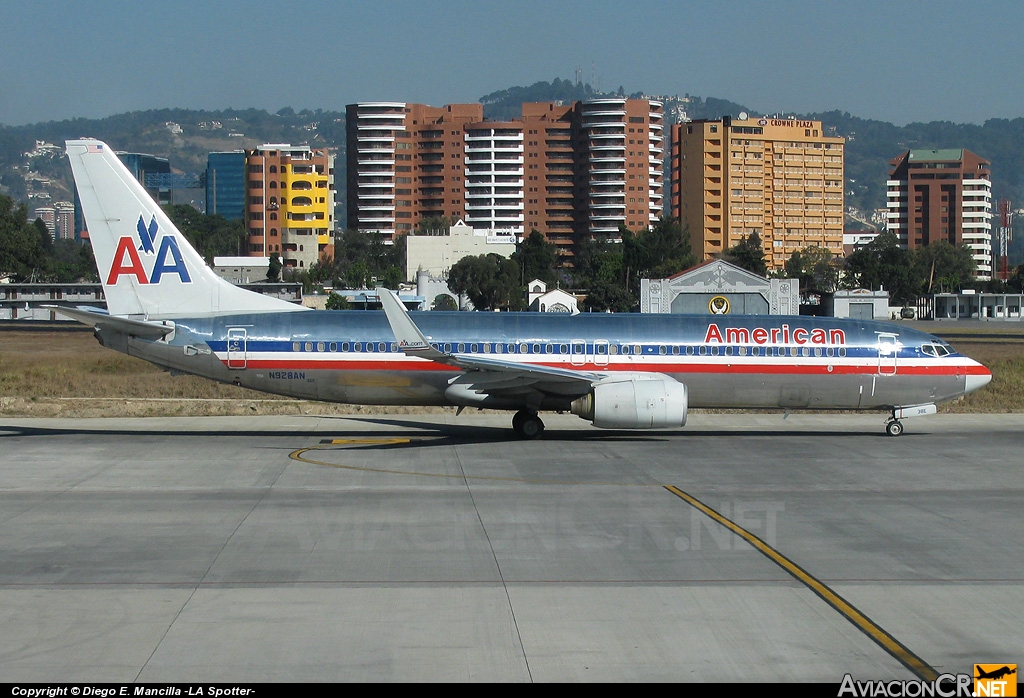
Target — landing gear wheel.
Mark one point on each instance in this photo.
(527, 425)
(893, 427)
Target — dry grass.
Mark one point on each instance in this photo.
(67, 373)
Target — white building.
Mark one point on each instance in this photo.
(541, 300)
(436, 254)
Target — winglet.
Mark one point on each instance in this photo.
(410, 340)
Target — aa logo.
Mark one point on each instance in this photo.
(168, 259)
(995, 680)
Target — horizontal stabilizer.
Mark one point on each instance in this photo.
(134, 328)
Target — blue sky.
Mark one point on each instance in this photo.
(895, 61)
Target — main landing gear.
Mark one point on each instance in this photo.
(893, 426)
(527, 425)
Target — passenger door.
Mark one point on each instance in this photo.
(236, 347)
(888, 351)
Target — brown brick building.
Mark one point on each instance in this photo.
(942, 195)
(569, 171)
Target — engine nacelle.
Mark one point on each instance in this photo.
(639, 403)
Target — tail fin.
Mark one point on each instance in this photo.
(146, 265)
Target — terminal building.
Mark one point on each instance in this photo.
(720, 288)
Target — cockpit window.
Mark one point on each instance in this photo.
(936, 350)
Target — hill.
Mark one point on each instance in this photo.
(870, 143)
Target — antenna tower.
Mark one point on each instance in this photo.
(1005, 235)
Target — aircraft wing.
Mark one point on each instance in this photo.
(102, 320)
(491, 376)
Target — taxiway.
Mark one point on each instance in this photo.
(423, 548)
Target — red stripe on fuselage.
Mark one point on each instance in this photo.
(943, 369)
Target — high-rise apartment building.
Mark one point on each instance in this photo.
(942, 195)
(225, 184)
(569, 171)
(290, 203)
(550, 144)
(65, 222)
(493, 178)
(780, 178)
(620, 165)
(406, 163)
(48, 215)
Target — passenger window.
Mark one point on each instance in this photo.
(675, 350)
(296, 346)
(309, 346)
(334, 347)
(344, 346)
(662, 350)
(319, 346)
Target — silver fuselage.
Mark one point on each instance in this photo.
(725, 361)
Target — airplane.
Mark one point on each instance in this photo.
(995, 673)
(618, 371)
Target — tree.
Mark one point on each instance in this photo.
(884, 264)
(274, 268)
(490, 281)
(336, 301)
(657, 253)
(211, 235)
(816, 269)
(24, 246)
(359, 257)
(536, 258)
(941, 266)
(748, 254)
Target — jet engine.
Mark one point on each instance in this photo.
(643, 402)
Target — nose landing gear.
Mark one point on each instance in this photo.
(893, 427)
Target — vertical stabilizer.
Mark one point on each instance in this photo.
(146, 265)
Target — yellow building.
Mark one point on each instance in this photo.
(290, 203)
(779, 178)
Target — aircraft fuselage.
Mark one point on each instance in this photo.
(725, 361)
